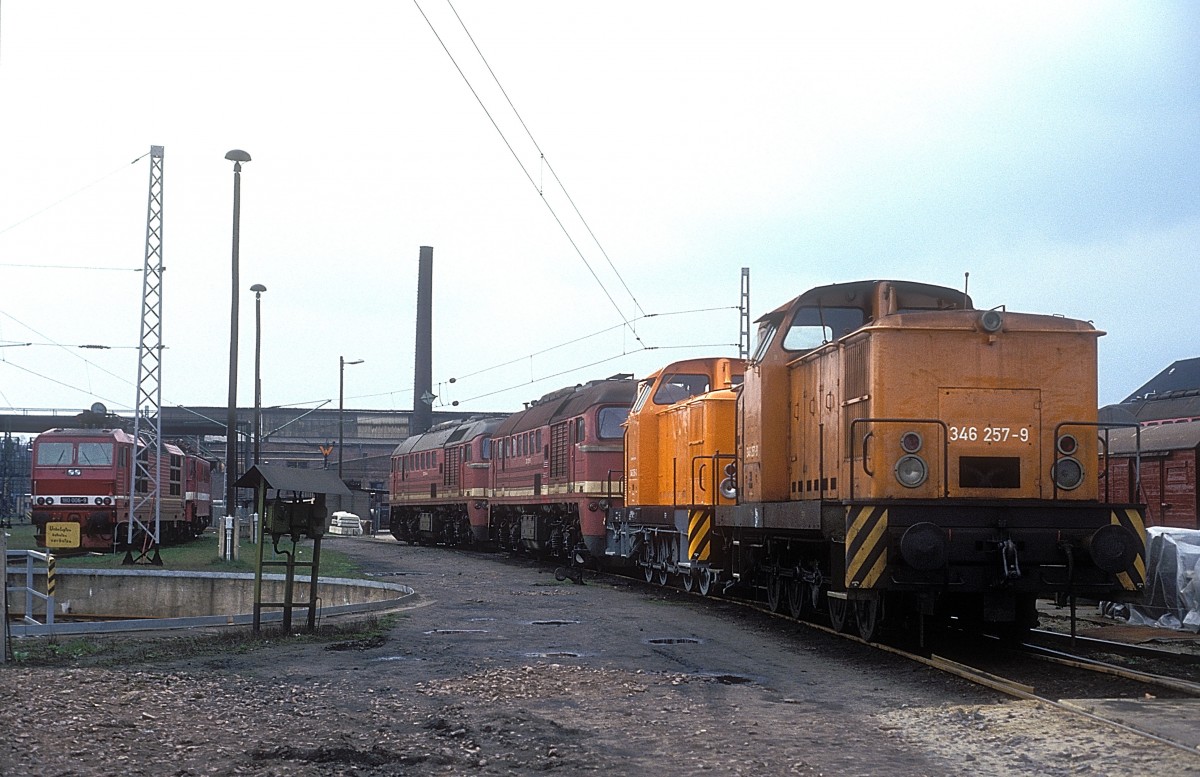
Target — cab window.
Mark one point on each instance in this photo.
(813, 327)
(610, 420)
(676, 388)
(51, 454)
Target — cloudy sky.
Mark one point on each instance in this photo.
(592, 177)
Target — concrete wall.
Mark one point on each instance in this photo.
(138, 593)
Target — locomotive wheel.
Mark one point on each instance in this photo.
(705, 579)
(775, 595)
(662, 576)
(797, 597)
(838, 610)
(868, 613)
(688, 580)
(649, 572)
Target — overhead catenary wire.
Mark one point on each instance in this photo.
(562, 187)
(77, 192)
(525, 170)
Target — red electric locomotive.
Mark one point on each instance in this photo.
(439, 484)
(81, 480)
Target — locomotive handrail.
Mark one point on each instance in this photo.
(1135, 486)
(608, 485)
(945, 446)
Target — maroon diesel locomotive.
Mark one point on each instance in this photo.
(439, 481)
(538, 480)
(81, 482)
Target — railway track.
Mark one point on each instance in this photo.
(1150, 704)
(1153, 701)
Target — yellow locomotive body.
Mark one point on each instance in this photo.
(895, 450)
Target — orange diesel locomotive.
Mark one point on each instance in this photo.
(891, 451)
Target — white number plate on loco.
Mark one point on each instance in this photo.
(990, 434)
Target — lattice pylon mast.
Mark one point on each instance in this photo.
(744, 309)
(145, 486)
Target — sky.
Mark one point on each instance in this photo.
(592, 177)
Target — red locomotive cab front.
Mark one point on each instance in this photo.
(77, 481)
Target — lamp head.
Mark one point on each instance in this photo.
(258, 288)
(237, 155)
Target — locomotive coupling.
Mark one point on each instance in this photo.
(1008, 559)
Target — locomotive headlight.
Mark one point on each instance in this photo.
(1067, 473)
(41, 500)
(910, 442)
(99, 500)
(728, 486)
(1067, 445)
(990, 321)
(49, 500)
(911, 471)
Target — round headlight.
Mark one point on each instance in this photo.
(911, 471)
(990, 321)
(99, 500)
(910, 442)
(41, 500)
(1067, 445)
(49, 500)
(1067, 474)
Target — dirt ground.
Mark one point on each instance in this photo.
(499, 669)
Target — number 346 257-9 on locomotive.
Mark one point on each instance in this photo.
(890, 450)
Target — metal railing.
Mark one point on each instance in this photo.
(13, 561)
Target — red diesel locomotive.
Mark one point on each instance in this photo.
(538, 480)
(80, 490)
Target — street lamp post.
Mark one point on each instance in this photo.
(341, 404)
(236, 156)
(258, 289)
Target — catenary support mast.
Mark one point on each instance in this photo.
(744, 307)
(145, 486)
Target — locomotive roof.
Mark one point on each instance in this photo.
(447, 433)
(569, 402)
(118, 434)
(858, 293)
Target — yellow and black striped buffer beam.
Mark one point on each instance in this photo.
(1133, 578)
(866, 546)
(700, 524)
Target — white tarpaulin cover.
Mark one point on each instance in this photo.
(1172, 597)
